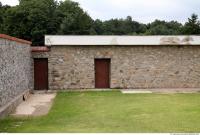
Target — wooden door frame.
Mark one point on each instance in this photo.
(47, 70)
(109, 78)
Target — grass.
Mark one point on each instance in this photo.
(114, 112)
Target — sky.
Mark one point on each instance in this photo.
(144, 11)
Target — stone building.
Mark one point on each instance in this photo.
(118, 62)
(97, 62)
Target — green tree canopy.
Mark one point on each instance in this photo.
(73, 19)
(192, 26)
(3, 9)
(164, 28)
(32, 19)
(119, 27)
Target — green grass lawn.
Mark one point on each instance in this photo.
(114, 112)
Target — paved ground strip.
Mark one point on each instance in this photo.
(163, 90)
(36, 105)
(134, 92)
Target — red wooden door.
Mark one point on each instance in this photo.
(41, 74)
(102, 73)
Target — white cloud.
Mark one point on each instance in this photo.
(141, 10)
(9, 2)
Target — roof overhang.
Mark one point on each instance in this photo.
(40, 49)
(51, 40)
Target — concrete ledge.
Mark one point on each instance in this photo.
(10, 107)
(156, 90)
(40, 49)
(79, 90)
(135, 92)
(165, 90)
(66, 40)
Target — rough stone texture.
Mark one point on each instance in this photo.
(72, 67)
(16, 74)
(11, 105)
(40, 55)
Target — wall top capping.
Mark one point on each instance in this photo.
(53, 40)
(4, 36)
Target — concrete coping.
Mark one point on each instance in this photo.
(70, 40)
(40, 49)
(4, 36)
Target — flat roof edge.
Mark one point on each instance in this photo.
(121, 40)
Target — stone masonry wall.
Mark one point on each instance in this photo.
(72, 67)
(16, 66)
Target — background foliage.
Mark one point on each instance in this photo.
(32, 19)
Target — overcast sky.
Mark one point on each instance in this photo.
(141, 10)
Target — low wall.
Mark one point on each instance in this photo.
(16, 73)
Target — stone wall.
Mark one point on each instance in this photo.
(72, 67)
(16, 68)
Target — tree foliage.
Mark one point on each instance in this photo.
(73, 19)
(164, 28)
(3, 9)
(192, 26)
(119, 27)
(32, 19)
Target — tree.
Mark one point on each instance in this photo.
(3, 9)
(163, 28)
(98, 27)
(134, 27)
(121, 27)
(73, 19)
(1, 16)
(192, 26)
(31, 20)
